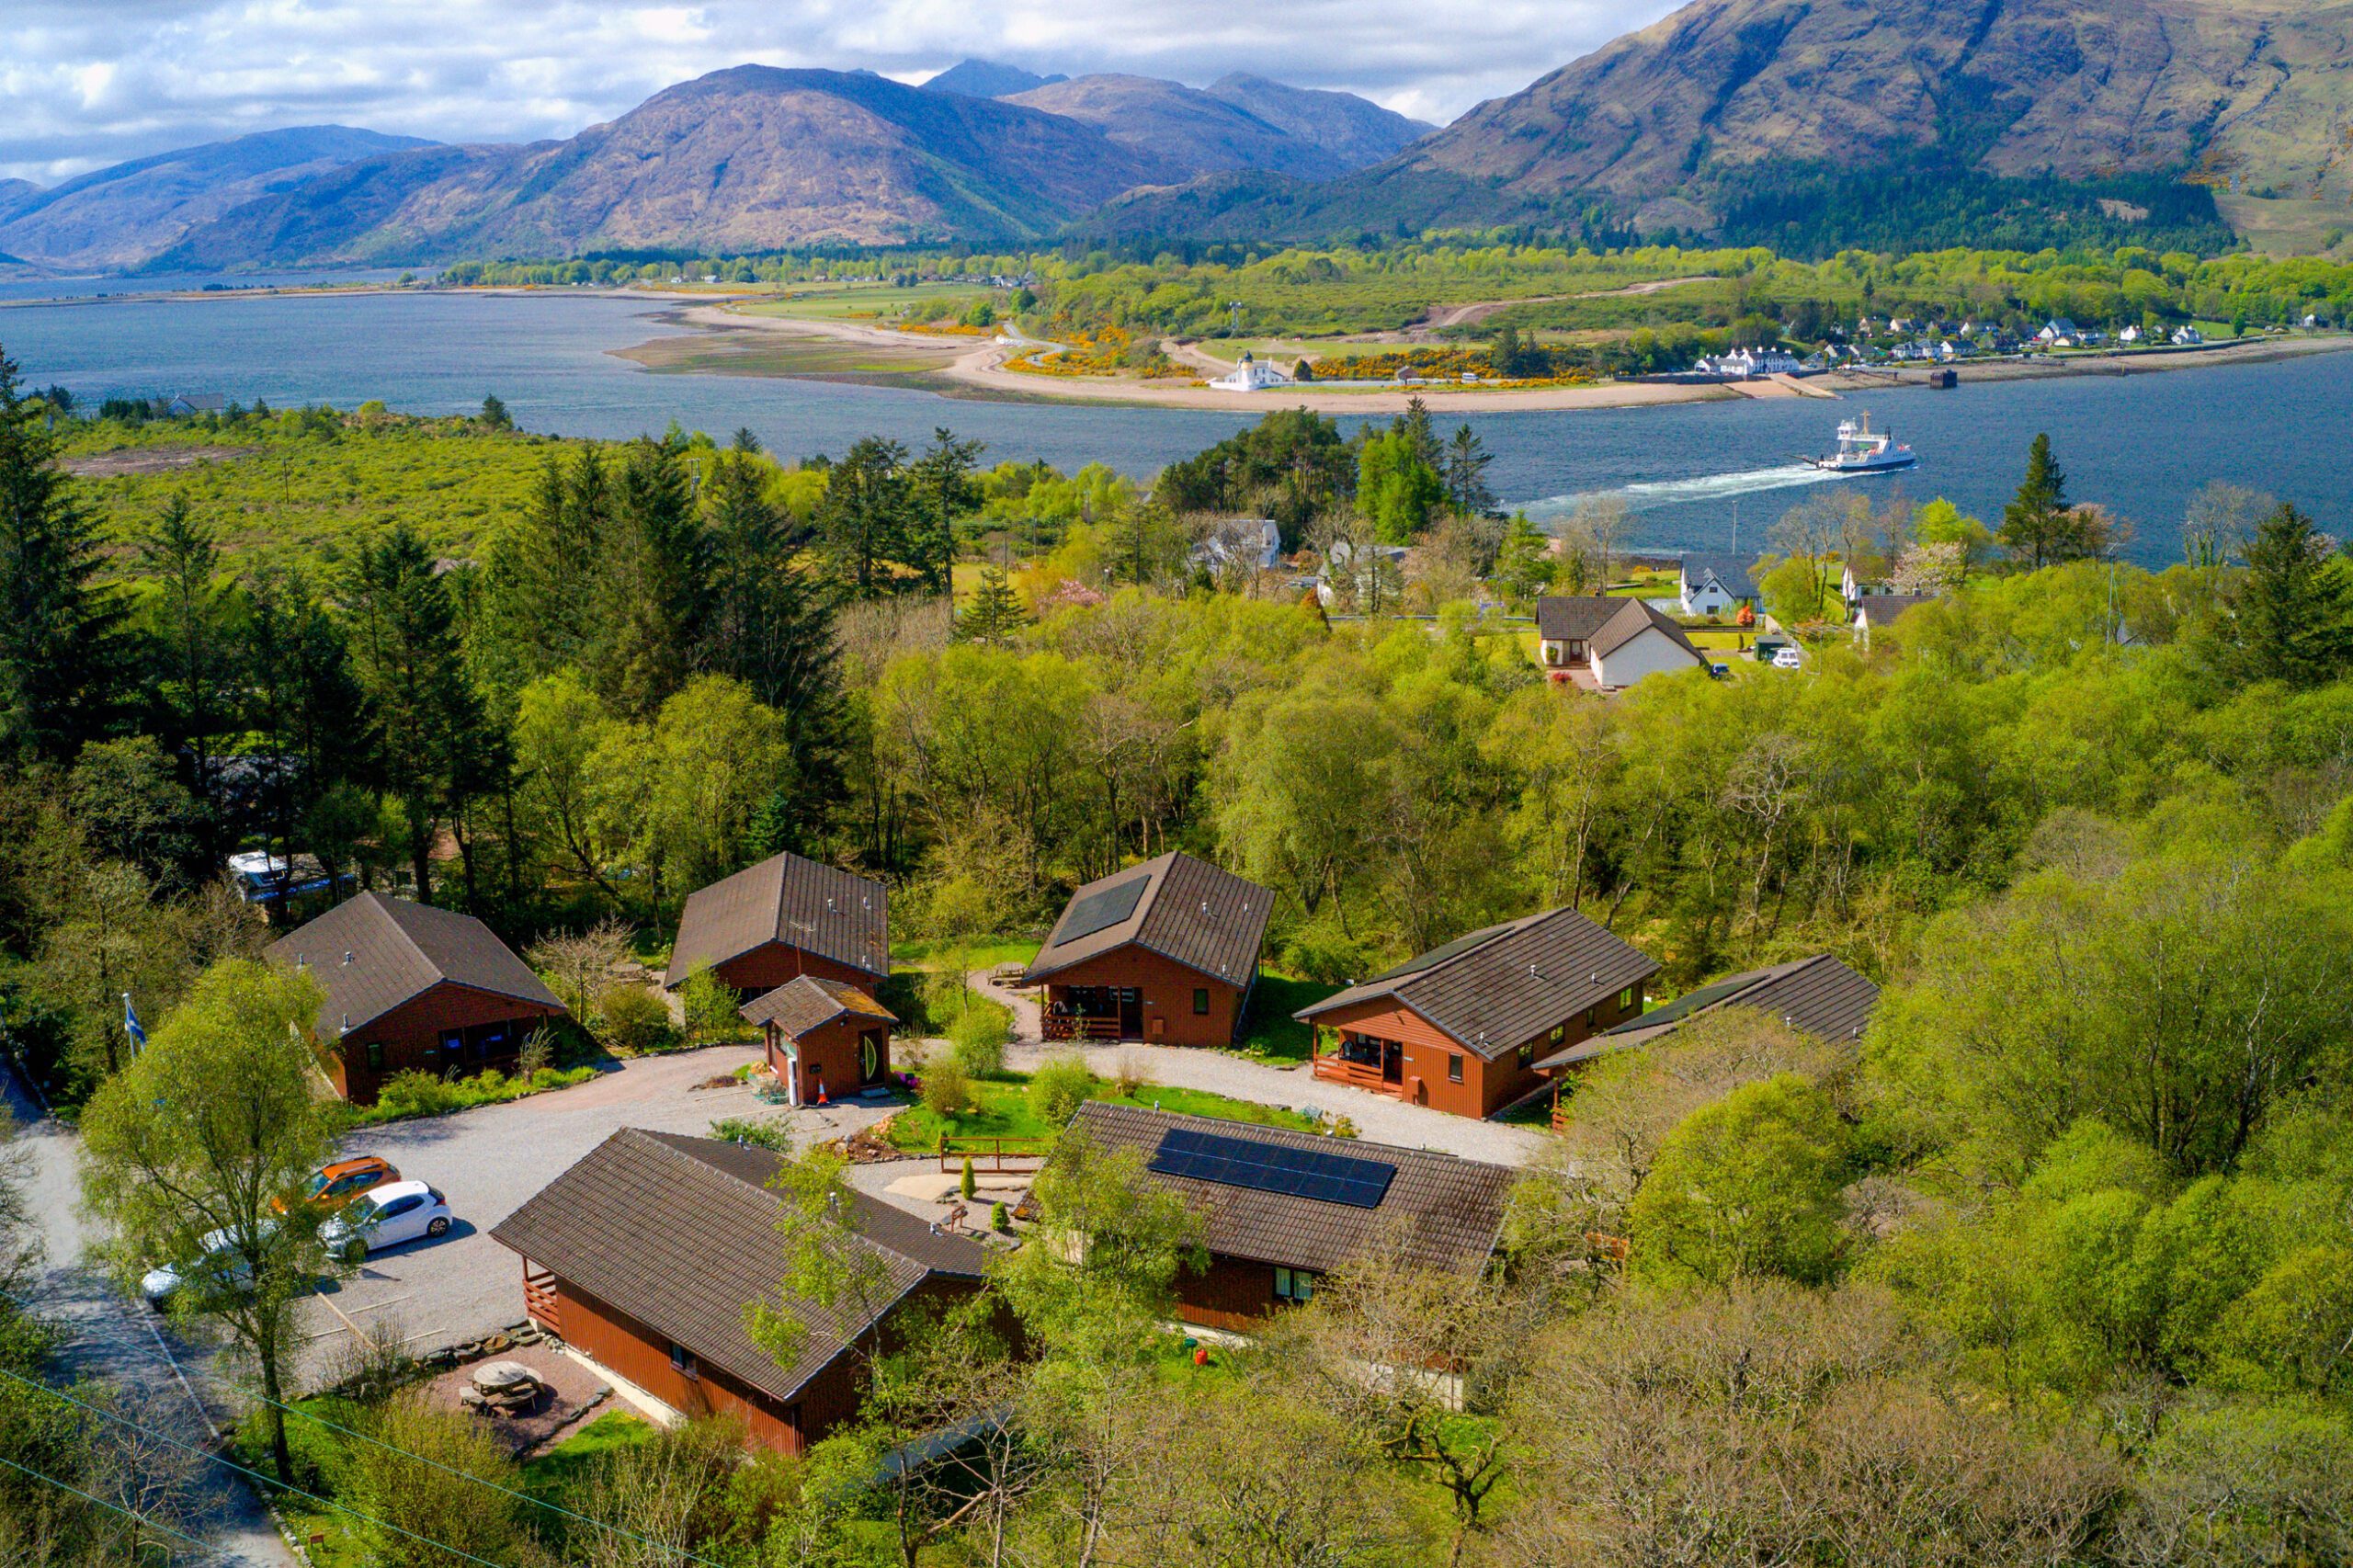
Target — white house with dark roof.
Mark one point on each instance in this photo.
(1714, 584)
(1613, 642)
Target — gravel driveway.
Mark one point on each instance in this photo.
(489, 1161)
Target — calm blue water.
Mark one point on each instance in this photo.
(2141, 444)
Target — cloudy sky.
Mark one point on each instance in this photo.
(86, 83)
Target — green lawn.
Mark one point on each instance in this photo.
(1268, 1030)
(1004, 1111)
(558, 1475)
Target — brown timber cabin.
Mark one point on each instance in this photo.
(825, 1039)
(644, 1256)
(1280, 1209)
(785, 917)
(410, 987)
(1461, 1027)
(1166, 952)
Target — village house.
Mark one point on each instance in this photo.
(1820, 996)
(825, 1039)
(1853, 586)
(1715, 584)
(1167, 952)
(1280, 1210)
(1747, 364)
(2188, 337)
(785, 917)
(1883, 609)
(413, 988)
(1251, 374)
(1461, 1027)
(644, 1256)
(1611, 642)
(1249, 544)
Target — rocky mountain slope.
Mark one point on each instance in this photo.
(2258, 92)
(988, 79)
(745, 159)
(1355, 130)
(115, 216)
(1181, 132)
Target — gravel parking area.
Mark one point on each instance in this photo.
(488, 1160)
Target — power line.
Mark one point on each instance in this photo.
(484, 1481)
(131, 1514)
(250, 1473)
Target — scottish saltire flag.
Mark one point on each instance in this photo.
(130, 1023)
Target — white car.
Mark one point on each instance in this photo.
(1789, 659)
(395, 1212)
(216, 1260)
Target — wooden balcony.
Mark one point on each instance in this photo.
(1357, 1075)
(1065, 1026)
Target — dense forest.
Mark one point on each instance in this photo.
(2051, 1266)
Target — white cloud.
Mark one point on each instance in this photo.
(89, 84)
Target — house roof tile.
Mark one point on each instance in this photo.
(681, 1234)
(373, 954)
(1494, 989)
(1818, 995)
(805, 1002)
(1442, 1212)
(1209, 920)
(819, 909)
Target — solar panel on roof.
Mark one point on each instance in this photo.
(1102, 908)
(1437, 955)
(1273, 1168)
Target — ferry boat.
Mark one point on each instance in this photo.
(1862, 449)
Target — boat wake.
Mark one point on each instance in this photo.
(1677, 491)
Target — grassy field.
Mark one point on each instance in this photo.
(747, 351)
(558, 1475)
(1268, 1030)
(1002, 1110)
(845, 301)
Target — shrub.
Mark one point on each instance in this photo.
(1060, 1087)
(966, 1186)
(1000, 1221)
(416, 1094)
(978, 1036)
(538, 1053)
(631, 1019)
(1132, 1077)
(947, 1089)
(1343, 1126)
(746, 1130)
(710, 1008)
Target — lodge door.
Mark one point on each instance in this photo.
(1130, 1013)
(1393, 1061)
(870, 1057)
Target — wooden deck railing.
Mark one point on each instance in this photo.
(1067, 1027)
(540, 1302)
(1360, 1074)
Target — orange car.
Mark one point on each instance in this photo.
(339, 1181)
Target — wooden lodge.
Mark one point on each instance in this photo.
(1461, 1027)
(825, 1039)
(1166, 952)
(412, 988)
(1282, 1208)
(644, 1256)
(783, 918)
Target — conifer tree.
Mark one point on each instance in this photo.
(2294, 606)
(64, 654)
(1466, 474)
(864, 517)
(995, 617)
(655, 601)
(2036, 525)
(193, 672)
(943, 490)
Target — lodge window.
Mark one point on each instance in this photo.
(1528, 1054)
(1454, 1067)
(682, 1362)
(1200, 999)
(1559, 1031)
(375, 1056)
(1589, 1015)
(453, 1041)
(1294, 1284)
(1626, 1000)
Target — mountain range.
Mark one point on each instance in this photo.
(1807, 123)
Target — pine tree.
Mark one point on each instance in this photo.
(864, 518)
(193, 674)
(65, 658)
(2037, 526)
(437, 749)
(494, 415)
(2294, 605)
(301, 698)
(1466, 474)
(656, 592)
(943, 489)
(1419, 429)
(995, 617)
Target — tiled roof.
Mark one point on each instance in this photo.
(1729, 571)
(1495, 989)
(1604, 623)
(373, 954)
(1443, 1211)
(1881, 609)
(1819, 996)
(1208, 920)
(805, 1002)
(680, 1234)
(817, 908)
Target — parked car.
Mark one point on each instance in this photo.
(1719, 671)
(217, 1262)
(396, 1212)
(337, 1182)
(1789, 659)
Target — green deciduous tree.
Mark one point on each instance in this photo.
(189, 1148)
(1745, 1187)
